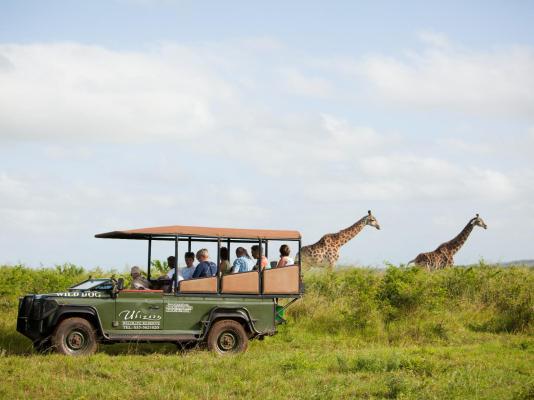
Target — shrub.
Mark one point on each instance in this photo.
(407, 289)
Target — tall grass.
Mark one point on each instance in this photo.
(374, 304)
(463, 332)
(408, 304)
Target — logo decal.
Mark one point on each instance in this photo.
(178, 308)
(79, 294)
(136, 319)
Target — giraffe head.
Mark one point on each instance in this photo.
(371, 220)
(477, 221)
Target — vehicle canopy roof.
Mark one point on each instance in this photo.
(200, 231)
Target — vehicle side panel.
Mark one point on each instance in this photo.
(187, 314)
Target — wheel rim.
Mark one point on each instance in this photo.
(227, 341)
(76, 340)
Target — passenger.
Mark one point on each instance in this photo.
(205, 268)
(243, 262)
(171, 262)
(255, 250)
(189, 269)
(224, 265)
(168, 287)
(285, 260)
(138, 281)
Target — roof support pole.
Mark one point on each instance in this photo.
(260, 275)
(219, 272)
(229, 254)
(175, 277)
(149, 256)
(300, 267)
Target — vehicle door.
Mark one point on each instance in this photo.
(138, 310)
(184, 314)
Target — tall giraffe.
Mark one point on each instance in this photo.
(443, 256)
(327, 248)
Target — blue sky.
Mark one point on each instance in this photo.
(134, 113)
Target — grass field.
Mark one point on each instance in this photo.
(358, 333)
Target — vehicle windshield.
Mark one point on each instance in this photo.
(94, 284)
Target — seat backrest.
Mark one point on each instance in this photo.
(198, 285)
(243, 282)
(284, 280)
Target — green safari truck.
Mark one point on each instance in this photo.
(223, 310)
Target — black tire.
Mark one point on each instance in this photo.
(74, 337)
(227, 337)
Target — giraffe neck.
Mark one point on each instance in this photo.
(344, 235)
(458, 241)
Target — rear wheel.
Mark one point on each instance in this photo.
(227, 337)
(74, 337)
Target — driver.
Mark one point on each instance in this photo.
(138, 280)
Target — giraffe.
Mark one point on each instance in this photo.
(443, 256)
(327, 248)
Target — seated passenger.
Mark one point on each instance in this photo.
(243, 262)
(189, 269)
(138, 280)
(284, 257)
(224, 265)
(205, 268)
(255, 250)
(171, 262)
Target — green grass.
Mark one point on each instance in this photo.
(358, 333)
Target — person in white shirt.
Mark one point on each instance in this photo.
(171, 262)
(187, 271)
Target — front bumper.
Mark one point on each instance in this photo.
(34, 317)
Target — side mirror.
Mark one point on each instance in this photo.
(120, 284)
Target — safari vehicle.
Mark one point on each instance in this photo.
(223, 311)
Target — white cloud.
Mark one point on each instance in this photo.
(420, 179)
(76, 92)
(298, 83)
(498, 82)
(466, 147)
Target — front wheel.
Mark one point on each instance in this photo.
(227, 337)
(74, 337)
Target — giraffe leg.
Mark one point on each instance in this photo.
(331, 258)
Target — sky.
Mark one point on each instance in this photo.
(297, 115)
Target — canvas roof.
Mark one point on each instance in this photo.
(200, 231)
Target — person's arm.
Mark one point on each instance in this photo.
(213, 269)
(281, 263)
(198, 271)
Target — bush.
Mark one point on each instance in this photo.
(412, 305)
(406, 290)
